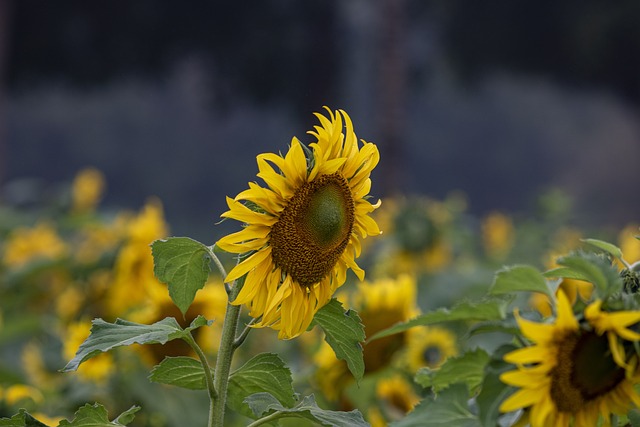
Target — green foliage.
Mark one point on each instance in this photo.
(184, 372)
(467, 368)
(449, 408)
(493, 390)
(183, 264)
(21, 419)
(263, 404)
(265, 372)
(106, 336)
(486, 309)
(96, 416)
(519, 278)
(344, 332)
(594, 269)
(605, 246)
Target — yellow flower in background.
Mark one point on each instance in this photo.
(96, 239)
(629, 244)
(429, 347)
(46, 419)
(17, 393)
(26, 244)
(97, 369)
(414, 230)
(86, 190)
(134, 279)
(498, 235)
(303, 229)
(396, 395)
(34, 366)
(569, 374)
(380, 305)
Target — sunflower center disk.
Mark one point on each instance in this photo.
(314, 229)
(585, 371)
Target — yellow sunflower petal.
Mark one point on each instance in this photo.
(520, 399)
(245, 266)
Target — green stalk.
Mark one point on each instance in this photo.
(225, 355)
(213, 395)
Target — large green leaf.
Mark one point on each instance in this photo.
(106, 336)
(21, 419)
(344, 332)
(181, 371)
(183, 264)
(467, 368)
(493, 390)
(487, 309)
(96, 416)
(445, 409)
(605, 246)
(519, 278)
(263, 403)
(265, 372)
(594, 269)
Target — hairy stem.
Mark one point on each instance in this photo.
(225, 355)
(208, 376)
(266, 419)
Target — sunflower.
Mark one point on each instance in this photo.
(416, 238)
(430, 346)
(303, 229)
(571, 372)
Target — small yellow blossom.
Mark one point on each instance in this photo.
(87, 189)
(25, 244)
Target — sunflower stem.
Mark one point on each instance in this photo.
(243, 336)
(213, 395)
(216, 261)
(225, 355)
(267, 419)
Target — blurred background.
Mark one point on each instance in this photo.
(509, 103)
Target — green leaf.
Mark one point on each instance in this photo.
(21, 419)
(487, 309)
(634, 417)
(106, 336)
(605, 246)
(264, 403)
(449, 408)
(96, 416)
(564, 273)
(181, 371)
(595, 269)
(265, 372)
(519, 278)
(183, 264)
(344, 332)
(493, 390)
(467, 368)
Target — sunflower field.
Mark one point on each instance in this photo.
(323, 306)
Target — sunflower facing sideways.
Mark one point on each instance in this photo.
(302, 231)
(574, 374)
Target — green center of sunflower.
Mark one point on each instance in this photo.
(585, 370)
(432, 356)
(314, 229)
(414, 229)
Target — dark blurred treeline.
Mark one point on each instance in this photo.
(385, 60)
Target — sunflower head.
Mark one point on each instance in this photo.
(303, 228)
(575, 370)
(430, 347)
